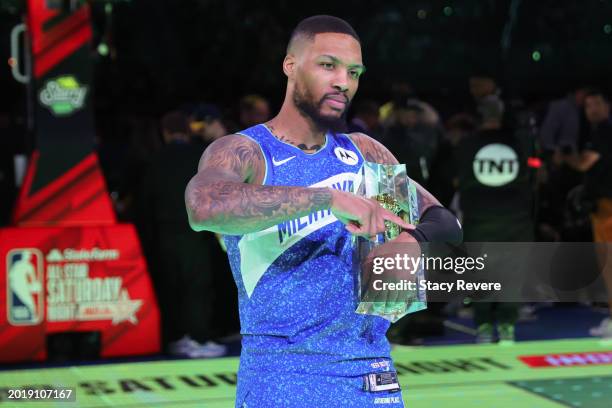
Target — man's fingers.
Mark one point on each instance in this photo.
(359, 230)
(389, 216)
(352, 228)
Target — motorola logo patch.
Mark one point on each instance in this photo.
(346, 156)
(496, 165)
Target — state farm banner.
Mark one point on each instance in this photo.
(75, 279)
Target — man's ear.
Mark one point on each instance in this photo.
(289, 64)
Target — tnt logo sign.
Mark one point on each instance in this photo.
(495, 165)
(24, 286)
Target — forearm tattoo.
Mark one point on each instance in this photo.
(375, 152)
(219, 197)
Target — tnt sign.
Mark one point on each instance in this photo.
(24, 287)
(495, 165)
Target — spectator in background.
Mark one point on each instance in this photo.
(495, 192)
(365, 119)
(444, 171)
(205, 123)
(254, 109)
(561, 131)
(458, 127)
(596, 161)
(178, 256)
(482, 86)
(413, 142)
(403, 93)
(561, 125)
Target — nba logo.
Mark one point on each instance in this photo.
(24, 286)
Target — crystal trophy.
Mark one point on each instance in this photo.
(390, 186)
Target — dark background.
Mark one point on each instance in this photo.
(165, 52)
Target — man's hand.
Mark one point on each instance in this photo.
(363, 216)
(391, 301)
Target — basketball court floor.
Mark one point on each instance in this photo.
(530, 374)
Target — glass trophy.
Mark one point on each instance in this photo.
(391, 187)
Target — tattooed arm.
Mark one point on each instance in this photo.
(226, 195)
(375, 152)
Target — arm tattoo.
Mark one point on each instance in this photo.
(375, 152)
(237, 155)
(372, 150)
(219, 197)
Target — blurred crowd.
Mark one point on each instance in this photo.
(511, 173)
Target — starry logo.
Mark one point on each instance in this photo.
(346, 156)
(63, 95)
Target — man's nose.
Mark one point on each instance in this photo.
(341, 81)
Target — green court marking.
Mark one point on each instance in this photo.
(434, 376)
(592, 392)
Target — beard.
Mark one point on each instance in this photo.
(311, 109)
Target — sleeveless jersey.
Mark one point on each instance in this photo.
(295, 282)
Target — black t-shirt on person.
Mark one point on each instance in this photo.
(598, 179)
(495, 186)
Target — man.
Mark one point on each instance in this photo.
(205, 123)
(596, 161)
(413, 142)
(179, 258)
(561, 126)
(403, 93)
(482, 85)
(561, 130)
(254, 109)
(495, 191)
(288, 234)
(365, 119)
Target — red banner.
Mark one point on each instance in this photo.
(75, 279)
(75, 198)
(568, 359)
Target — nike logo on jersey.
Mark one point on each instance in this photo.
(279, 162)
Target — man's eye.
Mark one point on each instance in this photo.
(354, 74)
(327, 65)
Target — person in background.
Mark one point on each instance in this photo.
(561, 131)
(561, 125)
(483, 85)
(495, 195)
(414, 142)
(178, 257)
(365, 119)
(595, 160)
(443, 169)
(254, 109)
(205, 123)
(403, 93)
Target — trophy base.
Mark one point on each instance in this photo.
(391, 312)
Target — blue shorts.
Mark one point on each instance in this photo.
(258, 389)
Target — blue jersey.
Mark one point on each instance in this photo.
(295, 283)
